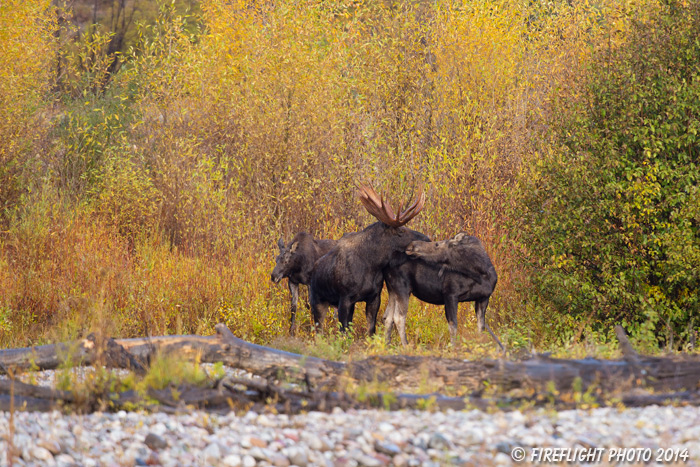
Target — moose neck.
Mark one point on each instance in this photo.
(381, 242)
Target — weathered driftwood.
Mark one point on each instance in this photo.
(222, 395)
(8, 386)
(538, 372)
(31, 397)
(323, 380)
(43, 357)
(234, 352)
(410, 372)
(243, 394)
(88, 351)
(26, 404)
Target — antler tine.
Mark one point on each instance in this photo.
(368, 190)
(370, 206)
(402, 204)
(375, 205)
(382, 210)
(386, 207)
(413, 210)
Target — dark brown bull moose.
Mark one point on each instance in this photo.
(353, 271)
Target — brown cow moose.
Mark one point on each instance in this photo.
(296, 262)
(442, 273)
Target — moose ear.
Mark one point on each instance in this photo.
(455, 240)
(293, 247)
(280, 244)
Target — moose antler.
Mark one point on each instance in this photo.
(380, 209)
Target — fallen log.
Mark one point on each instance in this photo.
(411, 372)
(236, 353)
(26, 404)
(244, 394)
(10, 386)
(89, 351)
(467, 379)
(44, 357)
(268, 362)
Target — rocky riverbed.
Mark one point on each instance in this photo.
(352, 438)
(604, 436)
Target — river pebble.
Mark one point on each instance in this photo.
(342, 438)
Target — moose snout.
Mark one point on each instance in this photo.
(414, 248)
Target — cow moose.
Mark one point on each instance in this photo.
(441, 273)
(296, 262)
(353, 271)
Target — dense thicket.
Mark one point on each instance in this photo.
(146, 179)
(614, 218)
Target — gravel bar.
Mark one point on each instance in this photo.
(352, 438)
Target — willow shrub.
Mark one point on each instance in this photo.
(613, 220)
(261, 124)
(25, 68)
(220, 133)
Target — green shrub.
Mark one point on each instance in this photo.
(612, 220)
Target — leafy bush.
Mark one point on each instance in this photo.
(166, 180)
(25, 70)
(613, 219)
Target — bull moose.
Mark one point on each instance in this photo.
(296, 262)
(353, 271)
(441, 273)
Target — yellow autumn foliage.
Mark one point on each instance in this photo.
(25, 69)
(222, 132)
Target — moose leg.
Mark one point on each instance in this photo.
(371, 311)
(400, 312)
(345, 311)
(351, 313)
(480, 309)
(318, 311)
(294, 291)
(389, 318)
(307, 302)
(451, 307)
(399, 291)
